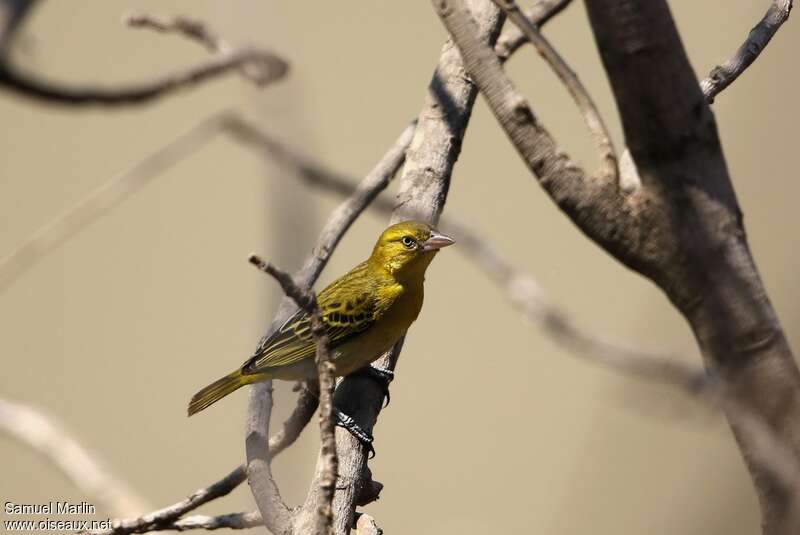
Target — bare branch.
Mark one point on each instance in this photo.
(229, 521)
(512, 38)
(261, 66)
(31, 86)
(307, 301)
(565, 181)
(192, 29)
(84, 469)
(204, 522)
(157, 520)
(199, 32)
(757, 40)
(597, 128)
(276, 514)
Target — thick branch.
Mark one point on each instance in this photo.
(587, 107)
(757, 40)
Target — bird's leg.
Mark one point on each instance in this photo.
(383, 376)
(345, 421)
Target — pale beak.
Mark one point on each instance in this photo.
(436, 241)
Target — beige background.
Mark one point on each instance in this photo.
(492, 428)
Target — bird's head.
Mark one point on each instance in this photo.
(406, 249)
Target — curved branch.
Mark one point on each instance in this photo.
(757, 40)
(31, 86)
(587, 107)
(512, 38)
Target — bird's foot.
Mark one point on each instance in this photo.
(383, 376)
(345, 421)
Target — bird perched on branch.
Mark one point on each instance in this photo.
(365, 313)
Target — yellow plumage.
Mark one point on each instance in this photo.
(365, 312)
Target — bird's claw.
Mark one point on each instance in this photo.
(348, 423)
(383, 376)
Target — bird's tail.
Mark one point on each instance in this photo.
(218, 390)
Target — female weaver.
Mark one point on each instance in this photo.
(365, 312)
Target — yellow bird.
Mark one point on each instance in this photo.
(365, 312)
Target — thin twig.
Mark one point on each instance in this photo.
(587, 107)
(511, 38)
(306, 300)
(156, 520)
(83, 468)
(192, 29)
(199, 32)
(757, 40)
(209, 523)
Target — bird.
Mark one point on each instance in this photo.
(365, 312)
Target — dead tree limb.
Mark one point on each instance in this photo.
(757, 40)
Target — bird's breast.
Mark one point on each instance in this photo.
(379, 338)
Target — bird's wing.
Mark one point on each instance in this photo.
(348, 308)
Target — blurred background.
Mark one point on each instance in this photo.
(492, 428)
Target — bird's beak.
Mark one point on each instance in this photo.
(436, 241)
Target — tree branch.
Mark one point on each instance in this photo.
(33, 87)
(307, 301)
(757, 40)
(199, 32)
(260, 66)
(576, 89)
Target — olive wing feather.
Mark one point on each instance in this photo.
(347, 309)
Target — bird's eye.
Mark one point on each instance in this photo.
(408, 241)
